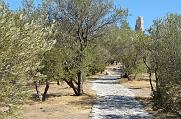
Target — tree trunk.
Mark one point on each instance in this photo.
(80, 83)
(129, 79)
(157, 94)
(150, 74)
(46, 90)
(1, 75)
(134, 76)
(157, 85)
(37, 90)
(127, 76)
(74, 89)
(116, 63)
(70, 83)
(152, 89)
(58, 82)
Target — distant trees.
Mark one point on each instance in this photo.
(126, 47)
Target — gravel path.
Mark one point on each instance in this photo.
(115, 101)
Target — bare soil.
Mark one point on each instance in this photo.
(141, 89)
(61, 104)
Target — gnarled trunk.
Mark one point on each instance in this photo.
(71, 84)
(152, 89)
(46, 90)
(37, 90)
(150, 74)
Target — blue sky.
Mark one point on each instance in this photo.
(14, 4)
(149, 9)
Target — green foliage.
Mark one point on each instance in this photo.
(96, 59)
(22, 45)
(52, 63)
(59, 64)
(165, 57)
(62, 63)
(79, 23)
(11, 94)
(126, 46)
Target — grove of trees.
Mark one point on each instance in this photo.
(67, 40)
(60, 40)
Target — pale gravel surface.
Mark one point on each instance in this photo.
(115, 101)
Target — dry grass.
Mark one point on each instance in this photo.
(141, 88)
(142, 91)
(61, 104)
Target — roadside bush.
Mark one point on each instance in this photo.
(165, 52)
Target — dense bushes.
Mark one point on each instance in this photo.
(21, 44)
(165, 60)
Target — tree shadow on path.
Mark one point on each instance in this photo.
(127, 107)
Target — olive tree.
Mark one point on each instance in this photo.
(22, 45)
(165, 60)
(83, 21)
